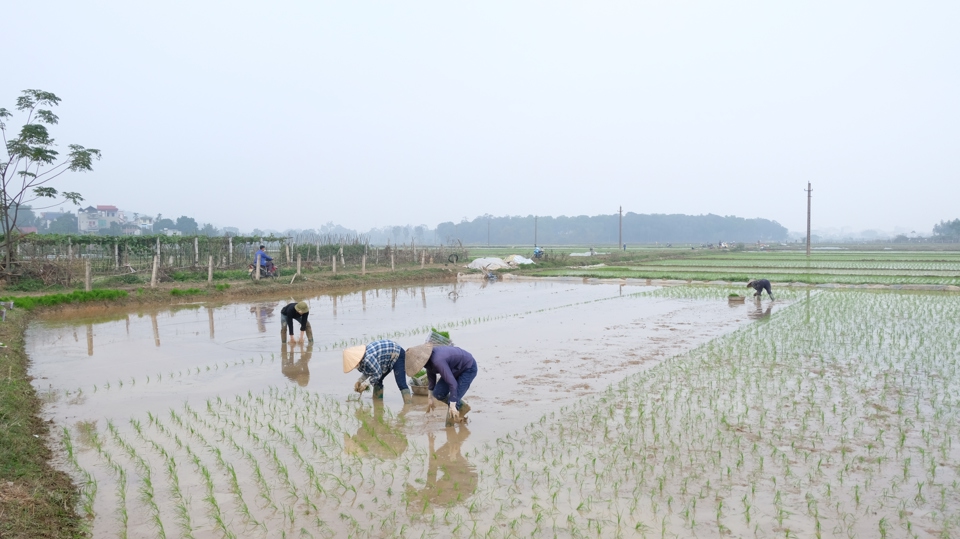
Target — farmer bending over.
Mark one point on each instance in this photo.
(760, 285)
(456, 369)
(375, 361)
(298, 312)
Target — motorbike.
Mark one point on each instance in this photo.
(267, 271)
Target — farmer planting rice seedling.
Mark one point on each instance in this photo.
(299, 312)
(456, 369)
(375, 361)
(760, 285)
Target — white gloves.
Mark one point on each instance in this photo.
(454, 412)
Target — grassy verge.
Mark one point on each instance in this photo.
(35, 499)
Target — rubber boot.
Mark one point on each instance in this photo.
(283, 333)
(407, 396)
(378, 392)
(309, 333)
(464, 408)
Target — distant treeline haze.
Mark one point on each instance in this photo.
(604, 230)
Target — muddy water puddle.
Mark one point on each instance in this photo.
(196, 421)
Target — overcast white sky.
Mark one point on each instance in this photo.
(293, 114)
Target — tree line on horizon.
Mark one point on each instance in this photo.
(605, 229)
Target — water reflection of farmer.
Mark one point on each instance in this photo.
(262, 312)
(297, 371)
(760, 313)
(377, 435)
(451, 479)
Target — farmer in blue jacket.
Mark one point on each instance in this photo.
(456, 370)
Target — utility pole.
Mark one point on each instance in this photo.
(534, 230)
(809, 190)
(488, 232)
(620, 238)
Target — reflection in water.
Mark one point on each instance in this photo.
(89, 339)
(296, 370)
(377, 436)
(262, 311)
(450, 480)
(210, 320)
(156, 329)
(760, 313)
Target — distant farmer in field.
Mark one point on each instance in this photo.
(298, 312)
(375, 361)
(760, 285)
(456, 369)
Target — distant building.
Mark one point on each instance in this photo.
(92, 220)
(145, 223)
(171, 232)
(231, 231)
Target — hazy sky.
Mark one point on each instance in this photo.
(294, 114)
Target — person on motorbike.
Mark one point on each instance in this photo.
(266, 261)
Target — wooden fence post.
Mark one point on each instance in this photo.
(391, 261)
(288, 254)
(298, 263)
(333, 259)
(230, 251)
(153, 276)
(210, 271)
(116, 255)
(87, 279)
(196, 251)
(363, 265)
(423, 258)
(256, 266)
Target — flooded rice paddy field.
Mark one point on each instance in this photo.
(599, 410)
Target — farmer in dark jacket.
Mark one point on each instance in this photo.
(760, 285)
(456, 370)
(298, 312)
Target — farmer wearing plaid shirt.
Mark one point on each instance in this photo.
(375, 361)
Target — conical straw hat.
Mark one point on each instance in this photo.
(352, 357)
(416, 358)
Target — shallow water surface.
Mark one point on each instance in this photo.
(206, 398)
